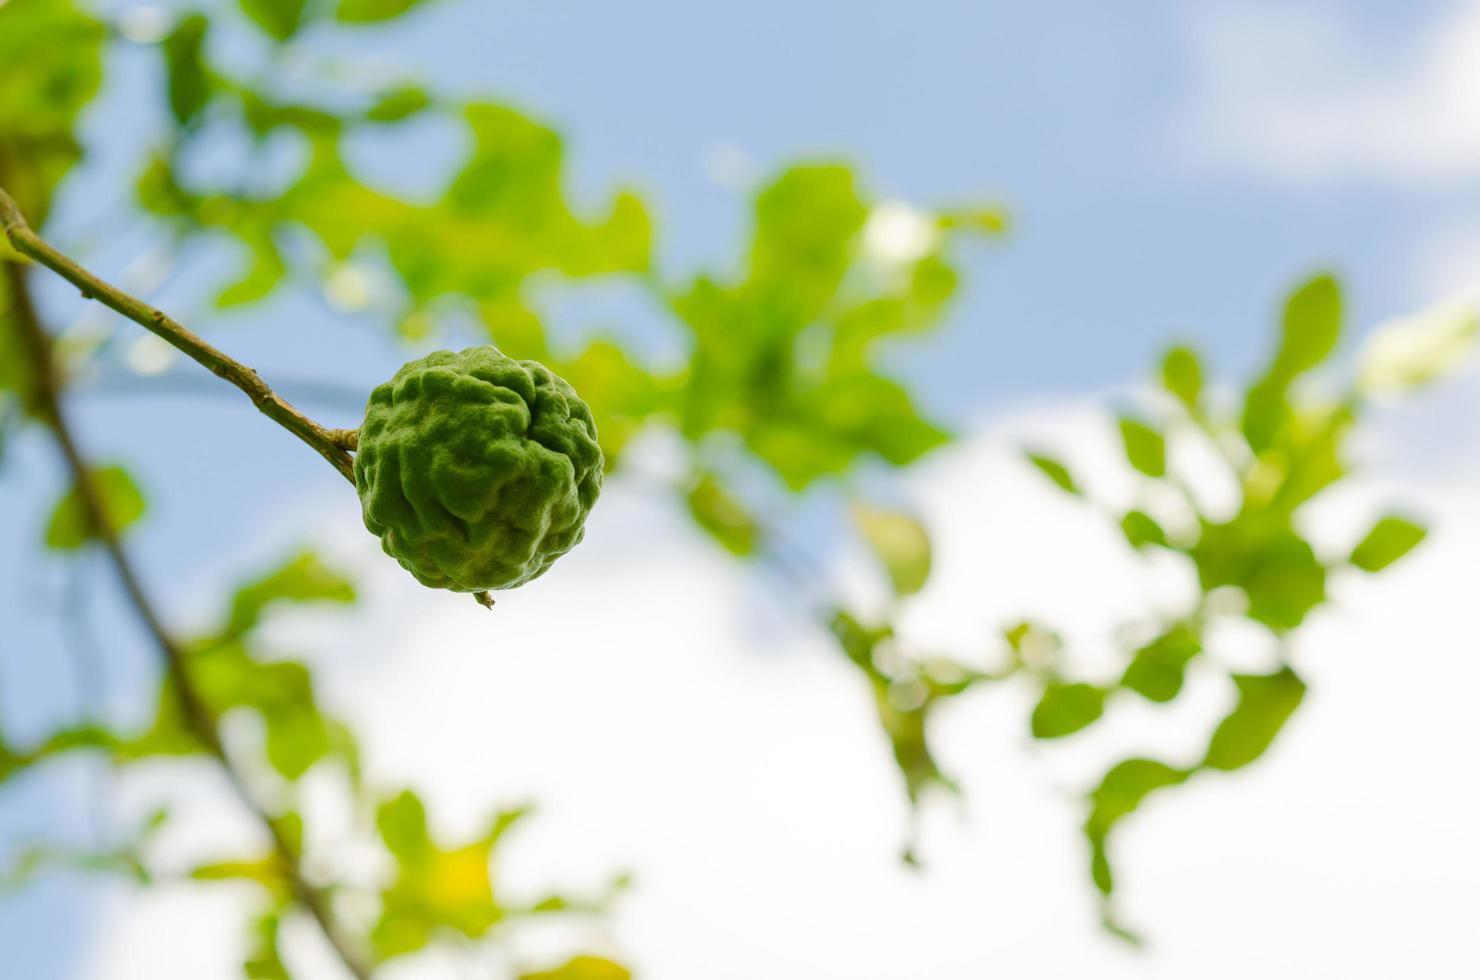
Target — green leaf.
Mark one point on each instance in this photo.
(1182, 376)
(371, 11)
(1055, 471)
(858, 641)
(806, 225)
(1122, 791)
(1145, 448)
(302, 578)
(1266, 408)
(123, 502)
(1141, 530)
(1390, 539)
(434, 889)
(264, 961)
(280, 19)
(51, 51)
(402, 822)
(1158, 669)
(264, 270)
(1066, 708)
(268, 872)
(396, 104)
(717, 512)
(981, 220)
(1274, 566)
(901, 544)
(297, 737)
(189, 83)
(1312, 324)
(1265, 702)
(582, 968)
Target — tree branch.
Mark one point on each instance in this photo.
(46, 391)
(333, 445)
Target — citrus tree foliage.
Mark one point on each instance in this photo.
(782, 391)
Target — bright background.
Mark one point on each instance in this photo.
(1171, 169)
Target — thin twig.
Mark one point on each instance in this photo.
(46, 389)
(324, 441)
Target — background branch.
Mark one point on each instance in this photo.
(330, 444)
(46, 390)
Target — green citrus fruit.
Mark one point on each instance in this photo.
(475, 470)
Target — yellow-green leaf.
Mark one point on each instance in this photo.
(1119, 794)
(1055, 471)
(583, 968)
(1265, 703)
(723, 516)
(1066, 708)
(123, 503)
(901, 544)
(1145, 448)
(1182, 376)
(1390, 539)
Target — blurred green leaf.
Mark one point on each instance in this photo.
(1182, 376)
(806, 226)
(1055, 471)
(51, 51)
(187, 80)
(371, 11)
(402, 822)
(1390, 539)
(1265, 409)
(280, 19)
(1157, 670)
(264, 961)
(302, 578)
(982, 220)
(396, 104)
(582, 968)
(1121, 792)
(904, 701)
(265, 269)
(1274, 566)
(1312, 324)
(502, 218)
(1141, 530)
(434, 888)
(900, 542)
(717, 512)
(268, 872)
(1066, 708)
(1265, 702)
(1145, 448)
(70, 528)
(296, 738)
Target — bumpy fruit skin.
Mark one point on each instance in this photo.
(475, 470)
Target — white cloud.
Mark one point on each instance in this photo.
(671, 720)
(1299, 91)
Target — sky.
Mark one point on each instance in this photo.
(1172, 169)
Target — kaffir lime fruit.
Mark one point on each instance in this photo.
(475, 470)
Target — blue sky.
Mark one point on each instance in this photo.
(1171, 169)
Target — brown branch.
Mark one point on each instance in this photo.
(46, 402)
(333, 445)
